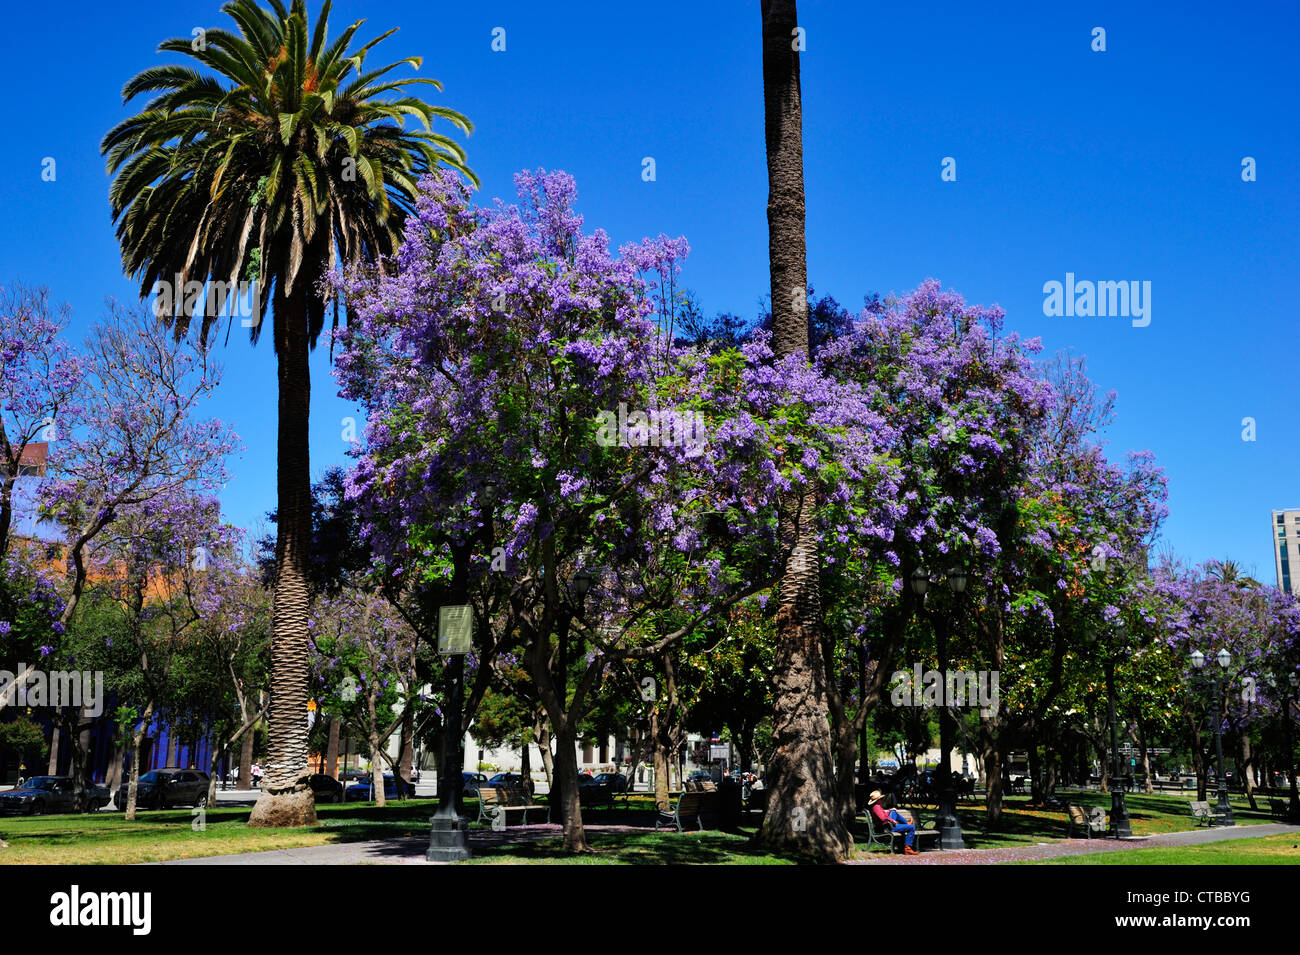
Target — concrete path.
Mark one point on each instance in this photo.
(1078, 847)
(405, 851)
(410, 850)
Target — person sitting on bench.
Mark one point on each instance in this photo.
(890, 818)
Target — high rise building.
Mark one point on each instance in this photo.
(1286, 547)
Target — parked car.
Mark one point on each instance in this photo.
(42, 794)
(97, 797)
(325, 788)
(591, 792)
(351, 775)
(615, 781)
(470, 783)
(364, 791)
(165, 788)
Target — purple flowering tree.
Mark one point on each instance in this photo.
(532, 433)
(139, 444)
(39, 380)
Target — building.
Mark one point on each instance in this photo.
(1286, 547)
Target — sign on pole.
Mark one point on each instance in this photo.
(455, 629)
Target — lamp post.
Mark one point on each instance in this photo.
(1119, 819)
(949, 826)
(449, 832)
(1293, 812)
(1224, 809)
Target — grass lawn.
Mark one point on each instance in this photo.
(1022, 823)
(1268, 850)
(158, 836)
(107, 838)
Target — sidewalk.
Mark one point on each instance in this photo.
(405, 851)
(410, 850)
(1078, 847)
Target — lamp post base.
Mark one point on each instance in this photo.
(448, 839)
(950, 835)
(1223, 811)
(1119, 820)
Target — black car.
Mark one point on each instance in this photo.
(325, 788)
(164, 788)
(97, 797)
(615, 781)
(42, 794)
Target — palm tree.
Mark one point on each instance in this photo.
(291, 159)
(1229, 572)
(802, 813)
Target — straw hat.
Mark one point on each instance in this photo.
(875, 797)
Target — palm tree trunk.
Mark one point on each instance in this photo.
(802, 811)
(286, 800)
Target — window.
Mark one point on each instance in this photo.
(1281, 518)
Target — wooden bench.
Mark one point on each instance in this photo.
(1202, 813)
(880, 836)
(690, 805)
(1089, 820)
(495, 803)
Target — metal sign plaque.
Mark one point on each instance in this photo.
(455, 629)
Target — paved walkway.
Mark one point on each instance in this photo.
(405, 851)
(1078, 847)
(410, 850)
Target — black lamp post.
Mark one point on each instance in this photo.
(949, 826)
(581, 584)
(1224, 809)
(1119, 820)
(1293, 812)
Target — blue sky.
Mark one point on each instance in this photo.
(1115, 165)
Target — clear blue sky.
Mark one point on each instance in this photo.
(1117, 165)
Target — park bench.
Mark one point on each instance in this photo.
(1089, 820)
(497, 802)
(690, 805)
(1277, 808)
(880, 836)
(1202, 813)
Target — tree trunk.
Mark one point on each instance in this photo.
(661, 759)
(245, 781)
(137, 734)
(332, 749)
(802, 811)
(526, 760)
(1035, 774)
(1248, 768)
(543, 734)
(566, 781)
(286, 799)
(406, 744)
(53, 769)
(992, 758)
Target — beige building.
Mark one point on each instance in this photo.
(1286, 548)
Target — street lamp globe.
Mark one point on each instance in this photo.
(957, 578)
(920, 581)
(1224, 659)
(582, 582)
(1198, 659)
